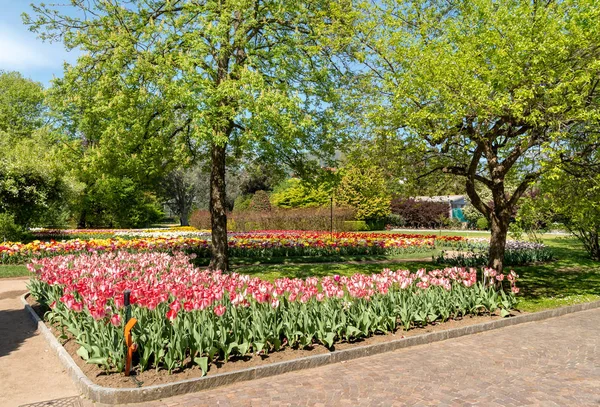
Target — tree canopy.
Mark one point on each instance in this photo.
(484, 90)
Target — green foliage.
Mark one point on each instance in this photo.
(118, 202)
(356, 225)
(482, 224)
(292, 193)
(483, 90)
(33, 184)
(21, 105)
(242, 203)
(9, 230)
(573, 196)
(260, 202)
(364, 188)
(472, 215)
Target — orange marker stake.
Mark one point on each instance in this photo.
(129, 343)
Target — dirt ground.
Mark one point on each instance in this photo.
(29, 370)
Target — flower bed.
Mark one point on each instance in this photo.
(475, 253)
(66, 234)
(252, 245)
(186, 315)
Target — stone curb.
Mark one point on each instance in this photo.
(109, 395)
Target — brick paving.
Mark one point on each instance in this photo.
(550, 363)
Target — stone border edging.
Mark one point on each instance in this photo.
(109, 395)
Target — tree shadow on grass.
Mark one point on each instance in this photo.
(573, 273)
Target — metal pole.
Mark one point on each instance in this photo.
(127, 303)
(331, 216)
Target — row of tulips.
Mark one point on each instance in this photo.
(186, 314)
(252, 245)
(475, 253)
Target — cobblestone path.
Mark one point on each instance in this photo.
(550, 363)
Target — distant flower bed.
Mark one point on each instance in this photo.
(59, 234)
(475, 253)
(186, 315)
(251, 245)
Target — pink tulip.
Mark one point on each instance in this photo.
(115, 320)
(171, 315)
(220, 310)
(515, 289)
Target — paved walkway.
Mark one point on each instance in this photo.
(550, 363)
(29, 370)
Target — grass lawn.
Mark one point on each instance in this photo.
(13, 271)
(571, 279)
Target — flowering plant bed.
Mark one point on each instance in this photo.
(475, 253)
(188, 316)
(247, 245)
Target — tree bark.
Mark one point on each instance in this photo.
(499, 226)
(184, 218)
(219, 256)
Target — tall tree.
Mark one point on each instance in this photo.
(484, 90)
(33, 189)
(240, 73)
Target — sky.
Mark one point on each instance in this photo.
(21, 50)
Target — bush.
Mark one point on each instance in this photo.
(242, 203)
(420, 214)
(9, 230)
(355, 226)
(483, 224)
(260, 202)
(395, 221)
(291, 193)
(281, 219)
(364, 189)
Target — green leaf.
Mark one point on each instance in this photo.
(83, 353)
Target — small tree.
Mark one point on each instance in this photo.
(485, 90)
(180, 189)
(364, 189)
(260, 202)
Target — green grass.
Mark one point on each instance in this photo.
(13, 271)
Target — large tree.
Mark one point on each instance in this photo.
(485, 90)
(239, 74)
(33, 189)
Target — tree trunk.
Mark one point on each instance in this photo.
(218, 216)
(184, 218)
(499, 225)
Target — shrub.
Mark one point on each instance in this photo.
(291, 193)
(9, 230)
(355, 226)
(279, 219)
(242, 203)
(260, 202)
(483, 224)
(364, 189)
(420, 214)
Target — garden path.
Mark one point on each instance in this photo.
(549, 363)
(29, 370)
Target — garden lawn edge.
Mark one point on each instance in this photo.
(109, 395)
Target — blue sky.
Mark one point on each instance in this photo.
(21, 50)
